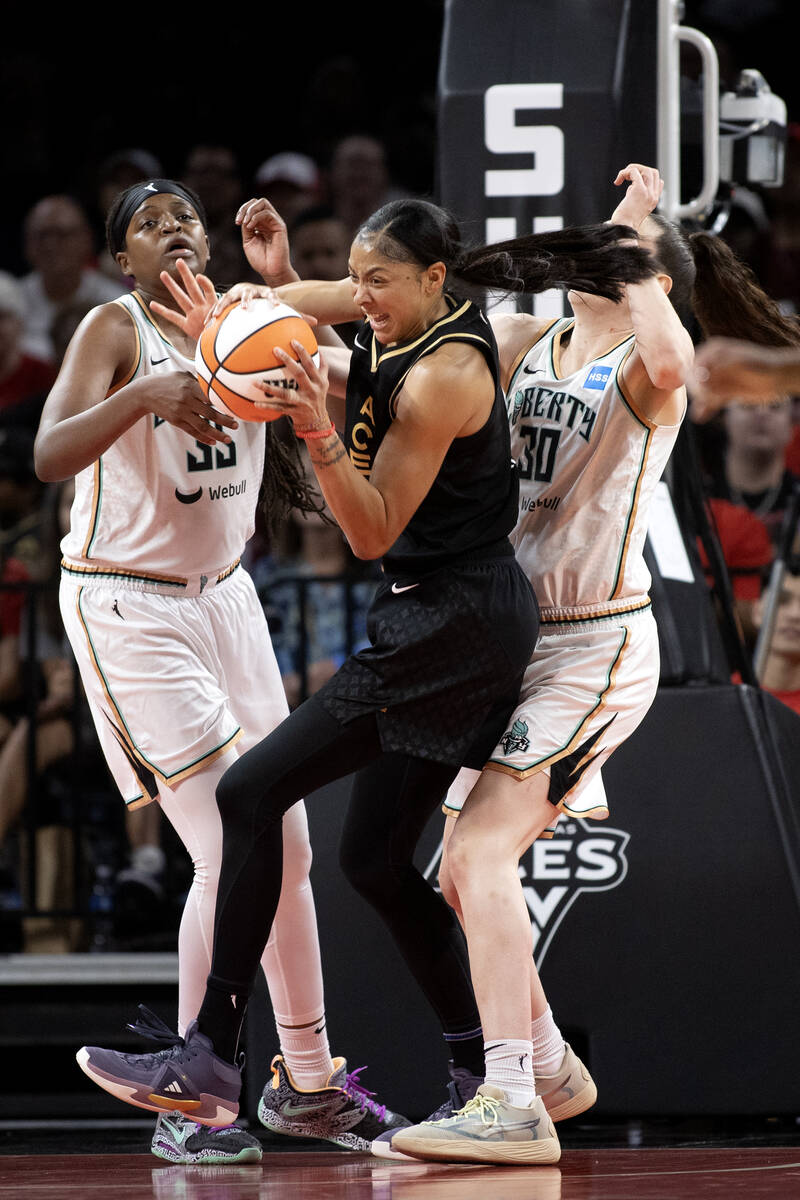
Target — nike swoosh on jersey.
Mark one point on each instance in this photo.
(154, 362)
(360, 345)
(188, 497)
(406, 588)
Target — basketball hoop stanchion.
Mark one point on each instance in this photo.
(785, 553)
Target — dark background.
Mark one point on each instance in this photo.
(75, 88)
(164, 78)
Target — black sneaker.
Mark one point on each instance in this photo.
(343, 1111)
(180, 1140)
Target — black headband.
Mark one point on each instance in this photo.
(118, 227)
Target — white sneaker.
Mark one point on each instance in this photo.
(487, 1129)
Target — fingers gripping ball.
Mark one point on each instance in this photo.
(237, 349)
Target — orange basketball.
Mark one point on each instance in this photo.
(237, 349)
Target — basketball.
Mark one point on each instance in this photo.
(237, 349)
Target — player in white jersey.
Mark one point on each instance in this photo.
(168, 632)
(595, 403)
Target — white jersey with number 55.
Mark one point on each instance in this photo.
(158, 503)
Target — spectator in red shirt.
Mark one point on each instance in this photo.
(781, 673)
(25, 379)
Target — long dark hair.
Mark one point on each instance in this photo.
(721, 291)
(588, 258)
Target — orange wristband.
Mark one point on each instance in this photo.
(316, 433)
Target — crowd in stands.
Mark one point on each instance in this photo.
(314, 591)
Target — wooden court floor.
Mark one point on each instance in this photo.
(50, 1169)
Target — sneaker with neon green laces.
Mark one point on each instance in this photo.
(487, 1129)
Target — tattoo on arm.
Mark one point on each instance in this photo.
(328, 455)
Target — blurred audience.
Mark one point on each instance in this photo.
(59, 247)
(752, 471)
(320, 243)
(321, 250)
(748, 552)
(315, 594)
(37, 701)
(359, 181)
(25, 379)
(782, 271)
(117, 172)
(214, 172)
(291, 181)
(23, 521)
(781, 671)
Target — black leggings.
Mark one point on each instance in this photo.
(394, 795)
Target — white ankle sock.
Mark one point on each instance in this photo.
(509, 1065)
(548, 1044)
(306, 1053)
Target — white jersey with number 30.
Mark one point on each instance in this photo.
(588, 465)
(158, 504)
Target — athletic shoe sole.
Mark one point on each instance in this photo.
(208, 1110)
(208, 1158)
(466, 1150)
(577, 1104)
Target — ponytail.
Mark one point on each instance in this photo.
(729, 301)
(588, 258)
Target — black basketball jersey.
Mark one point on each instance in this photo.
(472, 503)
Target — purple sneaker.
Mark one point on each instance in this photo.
(186, 1077)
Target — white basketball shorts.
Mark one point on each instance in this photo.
(172, 681)
(586, 689)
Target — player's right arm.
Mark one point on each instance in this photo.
(265, 240)
(87, 409)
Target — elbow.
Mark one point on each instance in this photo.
(367, 549)
(47, 475)
(44, 469)
(47, 469)
(670, 373)
(668, 381)
(369, 544)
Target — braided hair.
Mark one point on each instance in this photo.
(285, 486)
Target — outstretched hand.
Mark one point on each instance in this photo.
(196, 299)
(199, 302)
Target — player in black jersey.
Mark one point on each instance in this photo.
(423, 480)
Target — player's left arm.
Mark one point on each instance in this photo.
(446, 395)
